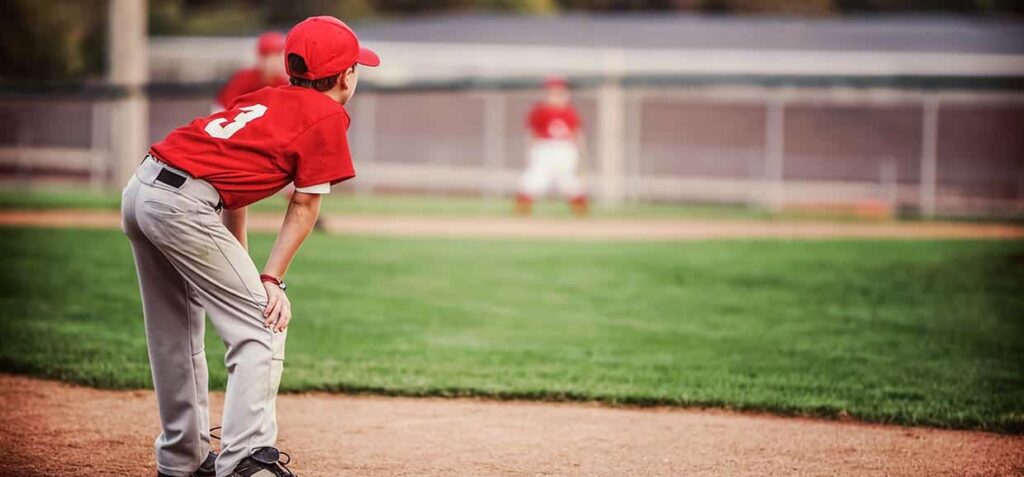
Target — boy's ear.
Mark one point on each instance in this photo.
(344, 77)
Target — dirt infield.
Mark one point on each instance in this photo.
(53, 429)
(587, 229)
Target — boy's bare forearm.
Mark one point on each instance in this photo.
(298, 223)
(235, 221)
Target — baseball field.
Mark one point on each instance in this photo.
(879, 330)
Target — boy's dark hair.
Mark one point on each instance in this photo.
(298, 65)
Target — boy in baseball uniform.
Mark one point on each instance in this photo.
(191, 261)
(269, 71)
(554, 151)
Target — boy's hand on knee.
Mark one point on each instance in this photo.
(278, 311)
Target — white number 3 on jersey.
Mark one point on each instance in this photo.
(218, 129)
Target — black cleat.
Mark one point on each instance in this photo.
(264, 462)
(207, 469)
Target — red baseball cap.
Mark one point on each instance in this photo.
(328, 46)
(556, 82)
(270, 42)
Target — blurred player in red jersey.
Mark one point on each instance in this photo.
(193, 262)
(269, 71)
(554, 151)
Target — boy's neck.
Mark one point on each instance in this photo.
(334, 94)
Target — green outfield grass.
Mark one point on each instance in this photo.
(347, 203)
(911, 332)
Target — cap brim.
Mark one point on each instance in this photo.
(368, 58)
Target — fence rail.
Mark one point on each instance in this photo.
(930, 144)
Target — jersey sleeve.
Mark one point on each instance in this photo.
(321, 153)
(320, 189)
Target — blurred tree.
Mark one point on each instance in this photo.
(622, 5)
(65, 39)
(248, 16)
(52, 39)
(951, 6)
(519, 6)
(351, 9)
(1002, 6)
(794, 7)
(797, 7)
(424, 6)
(205, 17)
(165, 17)
(285, 14)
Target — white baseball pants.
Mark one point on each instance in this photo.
(189, 264)
(552, 162)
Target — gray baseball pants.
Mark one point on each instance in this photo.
(189, 264)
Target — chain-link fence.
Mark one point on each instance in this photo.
(938, 150)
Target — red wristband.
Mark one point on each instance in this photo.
(265, 277)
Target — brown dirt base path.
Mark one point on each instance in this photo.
(53, 429)
(573, 229)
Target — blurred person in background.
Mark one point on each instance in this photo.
(554, 152)
(269, 71)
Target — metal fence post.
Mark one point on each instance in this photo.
(888, 183)
(129, 69)
(634, 147)
(494, 141)
(366, 135)
(774, 153)
(611, 112)
(929, 155)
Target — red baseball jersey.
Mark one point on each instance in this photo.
(553, 122)
(266, 140)
(244, 82)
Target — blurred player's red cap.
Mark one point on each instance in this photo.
(556, 82)
(328, 46)
(270, 42)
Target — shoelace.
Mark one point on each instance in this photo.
(282, 464)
